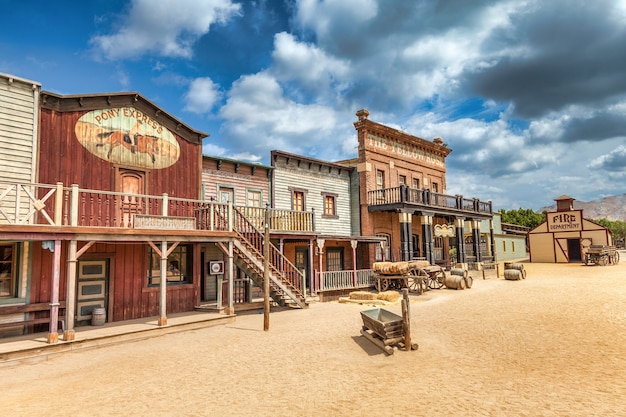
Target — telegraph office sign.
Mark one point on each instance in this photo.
(565, 221)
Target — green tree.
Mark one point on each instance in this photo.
(617, 228)
(523, 217)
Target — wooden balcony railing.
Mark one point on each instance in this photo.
(56, 205)
(405, 195)
(342, 280)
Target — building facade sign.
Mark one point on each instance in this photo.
(404, 150)
(564, 221)
(144, 221)
(125, 135)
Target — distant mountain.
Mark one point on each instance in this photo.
(611, 208)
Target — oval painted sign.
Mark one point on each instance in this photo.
(125, 135)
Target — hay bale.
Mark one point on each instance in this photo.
(362, 295)
(391, 296)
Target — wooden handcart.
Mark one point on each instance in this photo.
(415, 275)
(601, 255)
(386, 329)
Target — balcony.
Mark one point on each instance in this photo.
(403, 197)
(58, 209)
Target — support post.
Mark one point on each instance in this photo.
(353, 244)
(460, 239)
(163, 286)
(70, 298)
(230, 308)
(53, 335)
(266, 272)
(406, 243)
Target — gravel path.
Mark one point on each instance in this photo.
(553, 344)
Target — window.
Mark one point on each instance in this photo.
(512, 246)
(330, 205)
(435, 187)
(402, 180)
(416, 183)
(226, 195)
(254, 198)
(379, 249)
(178, 266)
(380, 179)
(334, 259)
(297, 200)
(503, 246)
(7, 270)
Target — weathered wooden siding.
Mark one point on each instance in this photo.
(314, 180)
(18, 128)
(128, 295)
(242, 177)
(64, 159)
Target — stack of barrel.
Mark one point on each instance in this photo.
(458, 279)
(514, 271)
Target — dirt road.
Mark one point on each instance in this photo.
(551, 345)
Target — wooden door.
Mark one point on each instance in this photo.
(92, 288)
(132, 184)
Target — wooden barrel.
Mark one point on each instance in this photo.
(458, 271)
(513, 265)
(512, 274)
(455, 282)
(98, 316)
(469, 281)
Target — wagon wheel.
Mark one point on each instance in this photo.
(384, 284)
(436, 279)
(604, 259)
(417, 282)
(615, 258)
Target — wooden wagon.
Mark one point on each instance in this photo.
(601, 255)
(414, 275)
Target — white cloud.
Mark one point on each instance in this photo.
(258, 113)
(165, 27)
(305, 63)
(202, 95)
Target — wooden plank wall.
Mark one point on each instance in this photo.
(315, 179)
(65, 159)
(129, 296)
(18, 116)
(240, 179)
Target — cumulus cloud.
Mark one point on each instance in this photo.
(613, 161)
(257, 113)
(167, 27)
(202, 95)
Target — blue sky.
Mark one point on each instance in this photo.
(529, 94)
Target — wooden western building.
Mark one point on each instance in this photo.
(565, 235)
(103, 206)
(402, 199)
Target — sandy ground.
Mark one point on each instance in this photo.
(551, 345)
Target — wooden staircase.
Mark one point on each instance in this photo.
(286, 281)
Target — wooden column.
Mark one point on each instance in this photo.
(476, 236)
(266, 273)
(163, 286)
(427, 237)
(460, 239)
(406, 243)
(230, 267)
(354, 244)
(53, 335)
(70, 298)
